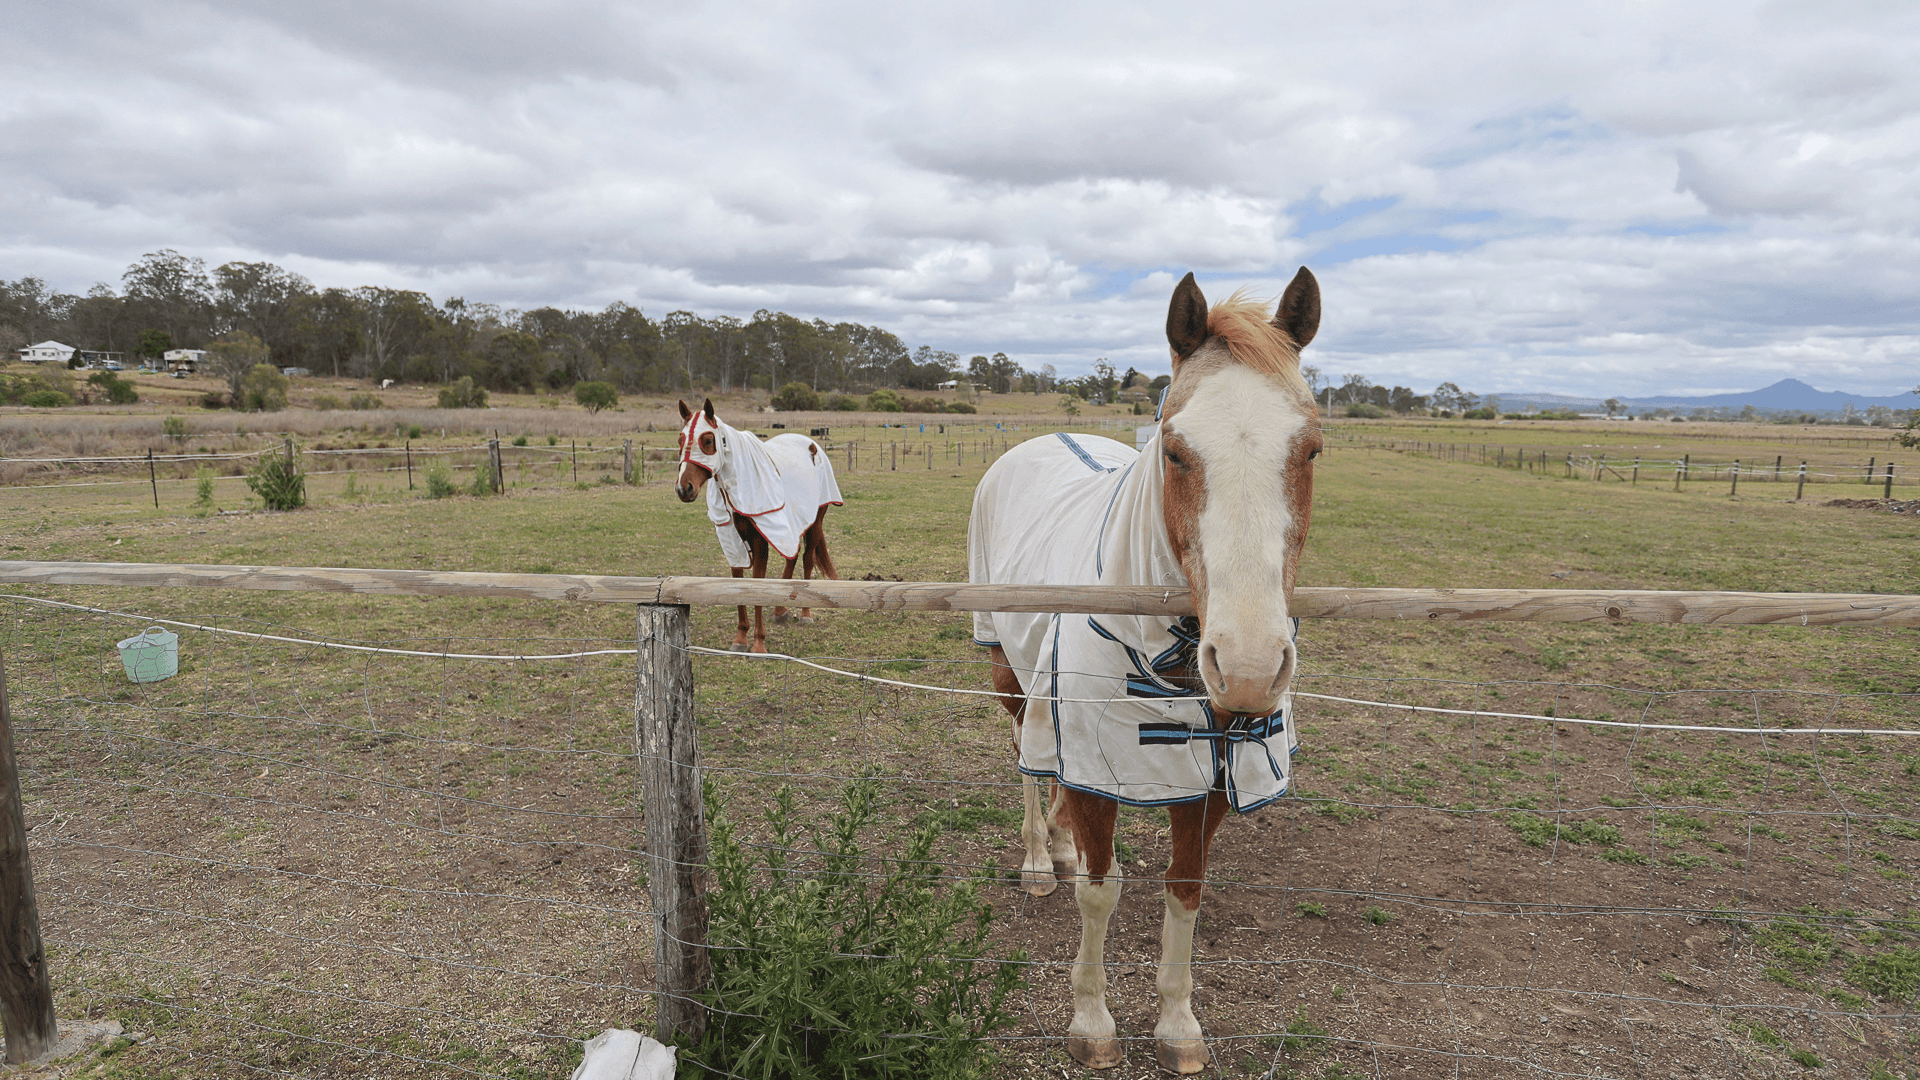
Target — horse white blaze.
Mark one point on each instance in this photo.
(1243, 427)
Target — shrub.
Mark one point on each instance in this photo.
(1366, 410)
(796, 397)
(596, 395)
(413, 431)
(46, 399)
(960, 407)
(843, 403)
(440, 482)
(859, 967)
(174, 427)
(482, 483)
(364, 400)
(203, 488)
(1474, 414)
(925, 405)
(327, 402)
(118, 390)
(263, 389)
(279, 482)
(519, 440)
(883, 400)
(462, 395)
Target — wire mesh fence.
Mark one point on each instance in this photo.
(295, 859)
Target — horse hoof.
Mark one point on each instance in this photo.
(738, 646)
(1096, 1053)
(1039, 884)
(804, 620)
(1182, 1056)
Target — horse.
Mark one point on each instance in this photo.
(762, 494)
(1186, 713)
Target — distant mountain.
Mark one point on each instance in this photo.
(1787, 395)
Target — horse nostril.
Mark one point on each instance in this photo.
(1210, 667)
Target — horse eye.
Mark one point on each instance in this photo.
(1313, 455)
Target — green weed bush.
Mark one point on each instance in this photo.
(440, 483)
(279, 482)
(854, 967)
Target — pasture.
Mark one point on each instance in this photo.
(295, 861)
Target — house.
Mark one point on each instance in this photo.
(45, 351)
(295, 372)
(955, 384)
(184, 359)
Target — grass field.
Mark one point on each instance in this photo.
(313, 863)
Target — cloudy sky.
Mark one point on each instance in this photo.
(1614, 199)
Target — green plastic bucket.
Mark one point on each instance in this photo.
(151, 655)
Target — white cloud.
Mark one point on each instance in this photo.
(1623, 200)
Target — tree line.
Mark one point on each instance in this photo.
(168, 300)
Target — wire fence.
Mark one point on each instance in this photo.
(423, 856)
(1879, 475)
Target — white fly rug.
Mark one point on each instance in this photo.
(1083, 510)
(780, 485)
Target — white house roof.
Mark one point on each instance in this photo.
(51, 345)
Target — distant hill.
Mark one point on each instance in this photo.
(1787, 395)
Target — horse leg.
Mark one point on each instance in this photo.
(1091, 1037)
(814, 546)
(780, 613)
(1059, 835)
(1036, 869)
(740, 635)
(1178, 1043)
(759, 619)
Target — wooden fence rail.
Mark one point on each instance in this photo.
(1508, 605)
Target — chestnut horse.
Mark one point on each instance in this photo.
(1190, 714)
(762, 494)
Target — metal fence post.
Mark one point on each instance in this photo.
(676, 820)
(26, 992)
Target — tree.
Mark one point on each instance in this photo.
(262, 389)
(595, 395)
(173, 291)
(1447, 397)
(1911, 436)
(264, 300)
(1612, 406)
(232, 357)
(154, 344)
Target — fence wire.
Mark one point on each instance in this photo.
(297, 859)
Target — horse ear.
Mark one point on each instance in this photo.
(709, 411)
(1186, 318)
(1299, 311)
(685, 413)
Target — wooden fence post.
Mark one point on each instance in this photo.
(626, 469)
(496, 466)
(1801, 490)
(1735, 489)
(676, 821)
(26, 993)
(1888, 493)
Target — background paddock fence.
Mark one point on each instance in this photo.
(430, 856)
(1880, 474)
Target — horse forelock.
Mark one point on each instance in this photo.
(1243, 321)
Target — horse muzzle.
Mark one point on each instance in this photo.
(686, 492)
(1248, 681)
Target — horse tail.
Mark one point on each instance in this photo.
(813, 547)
